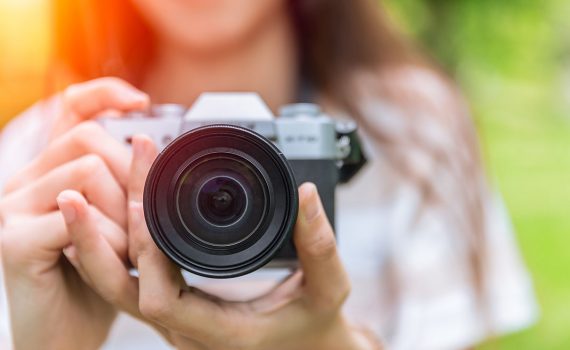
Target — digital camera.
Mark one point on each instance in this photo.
(221, 199)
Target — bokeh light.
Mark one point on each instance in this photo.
(24, 48)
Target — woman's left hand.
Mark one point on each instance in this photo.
(304, 312)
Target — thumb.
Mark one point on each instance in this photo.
(326, 281)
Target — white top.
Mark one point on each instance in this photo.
(379, 233)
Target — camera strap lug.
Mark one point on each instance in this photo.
(351, 157)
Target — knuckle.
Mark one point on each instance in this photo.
(92, 163)
(89, 166)
(154, 308)
(70, 93)
(83, 133)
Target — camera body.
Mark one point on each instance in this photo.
(233, 143)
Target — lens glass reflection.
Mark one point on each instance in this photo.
(222, 201)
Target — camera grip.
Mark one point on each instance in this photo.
(324, 174)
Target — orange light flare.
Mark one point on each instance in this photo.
(24, 49)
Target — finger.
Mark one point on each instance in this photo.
(81, 217)
(88, 174)
(86, 138)
(70, 253)
(144, 153)
(140, 242)
(326, 281)
(141, 247)
(103, 264)
(89, 98)
(39, 239)
(100, 263)
(162, 296)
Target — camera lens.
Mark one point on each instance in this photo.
(221, 198)
(220, 201)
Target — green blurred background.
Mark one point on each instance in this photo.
(512, 59)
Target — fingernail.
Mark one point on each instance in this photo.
(312, 207)
(70, 252)
(136, 213)
(67, 210)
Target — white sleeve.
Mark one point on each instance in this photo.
(438, 306)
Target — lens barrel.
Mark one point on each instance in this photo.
(220, 201)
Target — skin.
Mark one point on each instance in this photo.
(33, 232)
(221, 45)
(72, 222)
(303, 312)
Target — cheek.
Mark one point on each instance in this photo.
(207, 24)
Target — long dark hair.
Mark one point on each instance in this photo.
(338, 41)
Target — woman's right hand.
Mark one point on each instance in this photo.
(50, 306)
(87, 100)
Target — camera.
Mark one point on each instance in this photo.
(221, 200)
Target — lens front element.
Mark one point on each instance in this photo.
(222, 201)
(222, 198)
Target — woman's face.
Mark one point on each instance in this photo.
(207, 26)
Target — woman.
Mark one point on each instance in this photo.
(425, 246)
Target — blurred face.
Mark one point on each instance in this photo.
(206, 26)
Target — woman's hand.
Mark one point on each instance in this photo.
(85, 101)
(304, 312)
(50, 306)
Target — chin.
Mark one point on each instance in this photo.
(208, 25)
